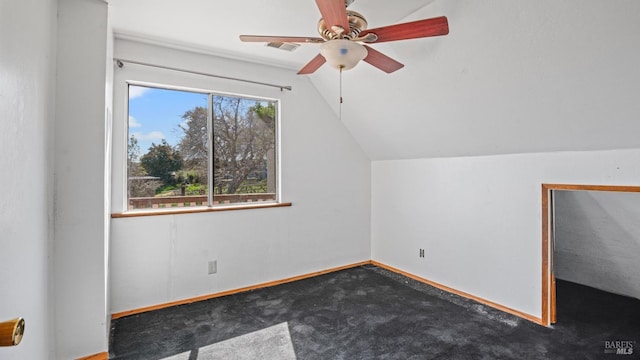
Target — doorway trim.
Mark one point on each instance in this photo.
(548, 283)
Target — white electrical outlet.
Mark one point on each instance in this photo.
(213, 267)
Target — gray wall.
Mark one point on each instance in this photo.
(597, 238)
(80, 265)
(27, 84)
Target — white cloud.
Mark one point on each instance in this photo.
(133, 123)
(137, 91)
(154, 135)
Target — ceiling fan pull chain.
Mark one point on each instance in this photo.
(341, 93)
(340, 85)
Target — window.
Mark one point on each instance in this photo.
(173, 162)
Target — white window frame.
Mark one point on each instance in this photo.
(181, 82)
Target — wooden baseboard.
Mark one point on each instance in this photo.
(318, 273)
(462, 293)
(100, 356)
(234, 291)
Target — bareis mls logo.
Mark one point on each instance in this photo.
(618, 347)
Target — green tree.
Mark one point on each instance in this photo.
(268, 116)
(193, 145)
(266, 113)
(162, 161)
(138, 186)
(242, 140)
(133, 158)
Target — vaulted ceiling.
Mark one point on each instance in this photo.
(511, 77)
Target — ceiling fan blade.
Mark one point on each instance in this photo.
(411, 30)
(382, 61)
(313, 65)
(287, 39)
(334, 13)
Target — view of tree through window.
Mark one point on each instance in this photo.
(169, 161)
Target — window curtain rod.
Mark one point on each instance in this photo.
(120, 63)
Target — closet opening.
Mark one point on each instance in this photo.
(588, 239)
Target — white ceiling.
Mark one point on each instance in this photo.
(214, 26)
(511, 77)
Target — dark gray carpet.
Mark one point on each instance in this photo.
(371, 313)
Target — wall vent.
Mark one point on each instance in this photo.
(283, 46)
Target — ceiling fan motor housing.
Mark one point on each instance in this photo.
(357, 23)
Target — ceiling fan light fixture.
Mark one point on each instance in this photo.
(343, 54)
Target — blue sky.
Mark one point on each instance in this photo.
(154, 114)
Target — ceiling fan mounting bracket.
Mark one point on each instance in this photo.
(338, 30)
(357, 23)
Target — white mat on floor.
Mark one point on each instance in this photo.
(270, 343)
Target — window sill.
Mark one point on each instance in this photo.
(195, 210)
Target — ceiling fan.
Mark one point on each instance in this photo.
(344, 36)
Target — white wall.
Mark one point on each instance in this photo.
(26, 189)
(479, 218)
(325, 175)
(597, 240)
(79, 249)
(108, 136)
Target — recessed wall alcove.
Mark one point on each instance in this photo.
(588, 238)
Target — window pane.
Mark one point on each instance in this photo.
(167, 148)
(244, 147)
